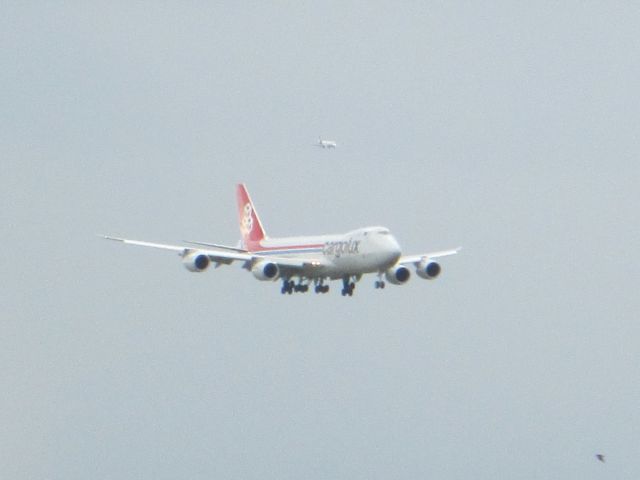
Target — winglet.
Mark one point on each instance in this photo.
(107, 237)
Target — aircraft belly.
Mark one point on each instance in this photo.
(368, 260)
(352, 265)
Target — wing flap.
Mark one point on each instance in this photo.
(218, 246)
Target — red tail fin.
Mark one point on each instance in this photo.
(250, 225)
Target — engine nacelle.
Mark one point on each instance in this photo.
(196, 261)
(266, 271)
(428, 269)
(398, 275)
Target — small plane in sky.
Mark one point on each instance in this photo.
(326, 143)
(316, 260)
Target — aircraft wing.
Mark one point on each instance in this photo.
(413, 259)
(292, 266)
(216, 256)
(217, 245)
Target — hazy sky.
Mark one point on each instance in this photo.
(511, 129)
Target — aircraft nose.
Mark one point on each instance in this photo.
(394, 248)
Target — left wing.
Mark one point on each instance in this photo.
(216, 256)
(415, 259)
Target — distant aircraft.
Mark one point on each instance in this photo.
(309, 260)
(600, 457)
(326, 143)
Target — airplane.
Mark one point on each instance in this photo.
(326, 143)
(317, 259)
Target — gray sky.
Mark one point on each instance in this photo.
(509, 129)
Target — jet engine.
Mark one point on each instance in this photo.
(265, 271)
(398, 275)
(428, 269)
(196, 261)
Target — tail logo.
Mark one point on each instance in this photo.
(246, 225)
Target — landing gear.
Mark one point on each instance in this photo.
(380, 284)
(320, 286)
(347, 287)
(289, 286)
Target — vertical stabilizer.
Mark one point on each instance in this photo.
(250, 225)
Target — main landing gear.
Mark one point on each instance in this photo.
(289, 286)
(379, 283)
(347, 287)
(320, 286)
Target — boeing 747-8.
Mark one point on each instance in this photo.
(301, 261)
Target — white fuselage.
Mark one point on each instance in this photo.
(366, 250)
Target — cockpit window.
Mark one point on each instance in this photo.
(377, 231)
